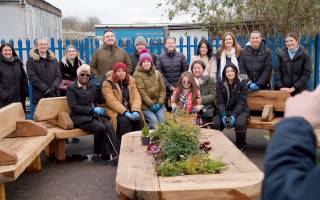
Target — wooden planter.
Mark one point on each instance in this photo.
(137, 179)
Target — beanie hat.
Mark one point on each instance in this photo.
(116, 67)
(83, 67)
(145, 55)
(140, 40)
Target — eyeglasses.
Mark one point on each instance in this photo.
(87, 75)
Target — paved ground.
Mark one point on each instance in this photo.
(79, 178)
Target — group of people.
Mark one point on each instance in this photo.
(118, 93)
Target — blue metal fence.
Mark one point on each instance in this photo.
(87, 46)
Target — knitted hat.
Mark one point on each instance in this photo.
(116, 66)
(140, 40)
(145, 55)
(83, 67)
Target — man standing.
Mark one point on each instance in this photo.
(107, 55)
(256, 64)
(140, 43)
(43, 71)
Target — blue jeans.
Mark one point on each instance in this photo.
(153, 118)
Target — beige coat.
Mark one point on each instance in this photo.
(211, 65)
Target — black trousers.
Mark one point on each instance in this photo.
(124, 125)
(240, 128)
(105, 141)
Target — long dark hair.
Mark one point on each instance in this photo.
(14, 54)
(205, 41)
(193, 88)
(235, 69)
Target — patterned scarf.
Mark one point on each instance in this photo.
(184, 98)
(230, 54)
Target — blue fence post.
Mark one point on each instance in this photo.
(317, 60)
(2, 41)
(20, 50)
(60, 49)
(239, 40)
(268, 41)
(81, 49)
(11, 42)
(217, 42)
(28, 47)
(87, 50)
(97, 44)
(281, 41)
(181, 44)
(195, 45)
(30, 100)
(68, 43)
(52, 46)
(245, 40)
(274, 55)
(159, 46)
(303, 40)
(151, 47)
(91, 47)
(310, 47)
(188, 49)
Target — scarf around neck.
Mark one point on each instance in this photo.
(230, 54)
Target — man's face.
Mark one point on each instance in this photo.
(42, 46)
(109, 38)
(255, 40)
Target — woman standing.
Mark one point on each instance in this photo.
(123, 101)
(205, 54)
(293, 68)
(152, 89)
(13, 78)
(229, 52)
(232, 105)
(68, 68)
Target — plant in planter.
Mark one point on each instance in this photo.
(177, 150)
(145, 135)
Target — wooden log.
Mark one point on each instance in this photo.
(7, 157)
(9, 115)
(267, 113)
(35, 166)
(59, 150)
(2, 192)
(28, 128)
(49, 151)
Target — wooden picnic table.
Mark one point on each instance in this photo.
(136, 177)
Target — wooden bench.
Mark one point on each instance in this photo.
(269, 105)
(53, 113)
(21, 142)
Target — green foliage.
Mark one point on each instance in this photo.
(145, 131)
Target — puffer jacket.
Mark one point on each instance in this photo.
(134, 57)
(293, 72)
(43, 73)
(172, 65)
(150, 85)
(256, 66)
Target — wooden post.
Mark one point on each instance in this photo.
(59, 151)
(2, 192)
(49, 151)
(35, 166)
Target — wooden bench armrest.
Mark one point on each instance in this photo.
(267, 113)
(7, 158)
(28, 128)
(63, 121)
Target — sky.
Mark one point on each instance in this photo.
(116, 11)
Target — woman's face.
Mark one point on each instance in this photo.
(291, 43)
(71, 53)
(197, 70)
(170, 44)
(186, 82)
(6, 52)
(83, 77)
(203, 50)
(228, 41)
(146, 64)
(121, 74)
(230, 74)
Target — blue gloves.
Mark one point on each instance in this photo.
(98, 111)
(232, 120)
(224, 121)
(135, 116)
(155, 107)
(253, 87)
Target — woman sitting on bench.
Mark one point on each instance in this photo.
(232, 105)
(85, 114)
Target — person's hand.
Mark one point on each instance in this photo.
(253, 87)
(224, 121)
(153, 108)
(98, 111)
(292, 89)
(287, 90)
(232, 120)
(136, 116)
(305, 105)
(158, 107)
(128, 115)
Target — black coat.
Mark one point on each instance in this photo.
(81, 102)
(69, 71)
(293, 73)
(290, 165)
(134, 57)
(232, 102)
(13, 81)
(172, 65)
(256, 64)
(43, 73)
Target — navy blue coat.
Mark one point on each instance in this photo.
(290, 163)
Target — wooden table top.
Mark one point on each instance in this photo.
(136, 177)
